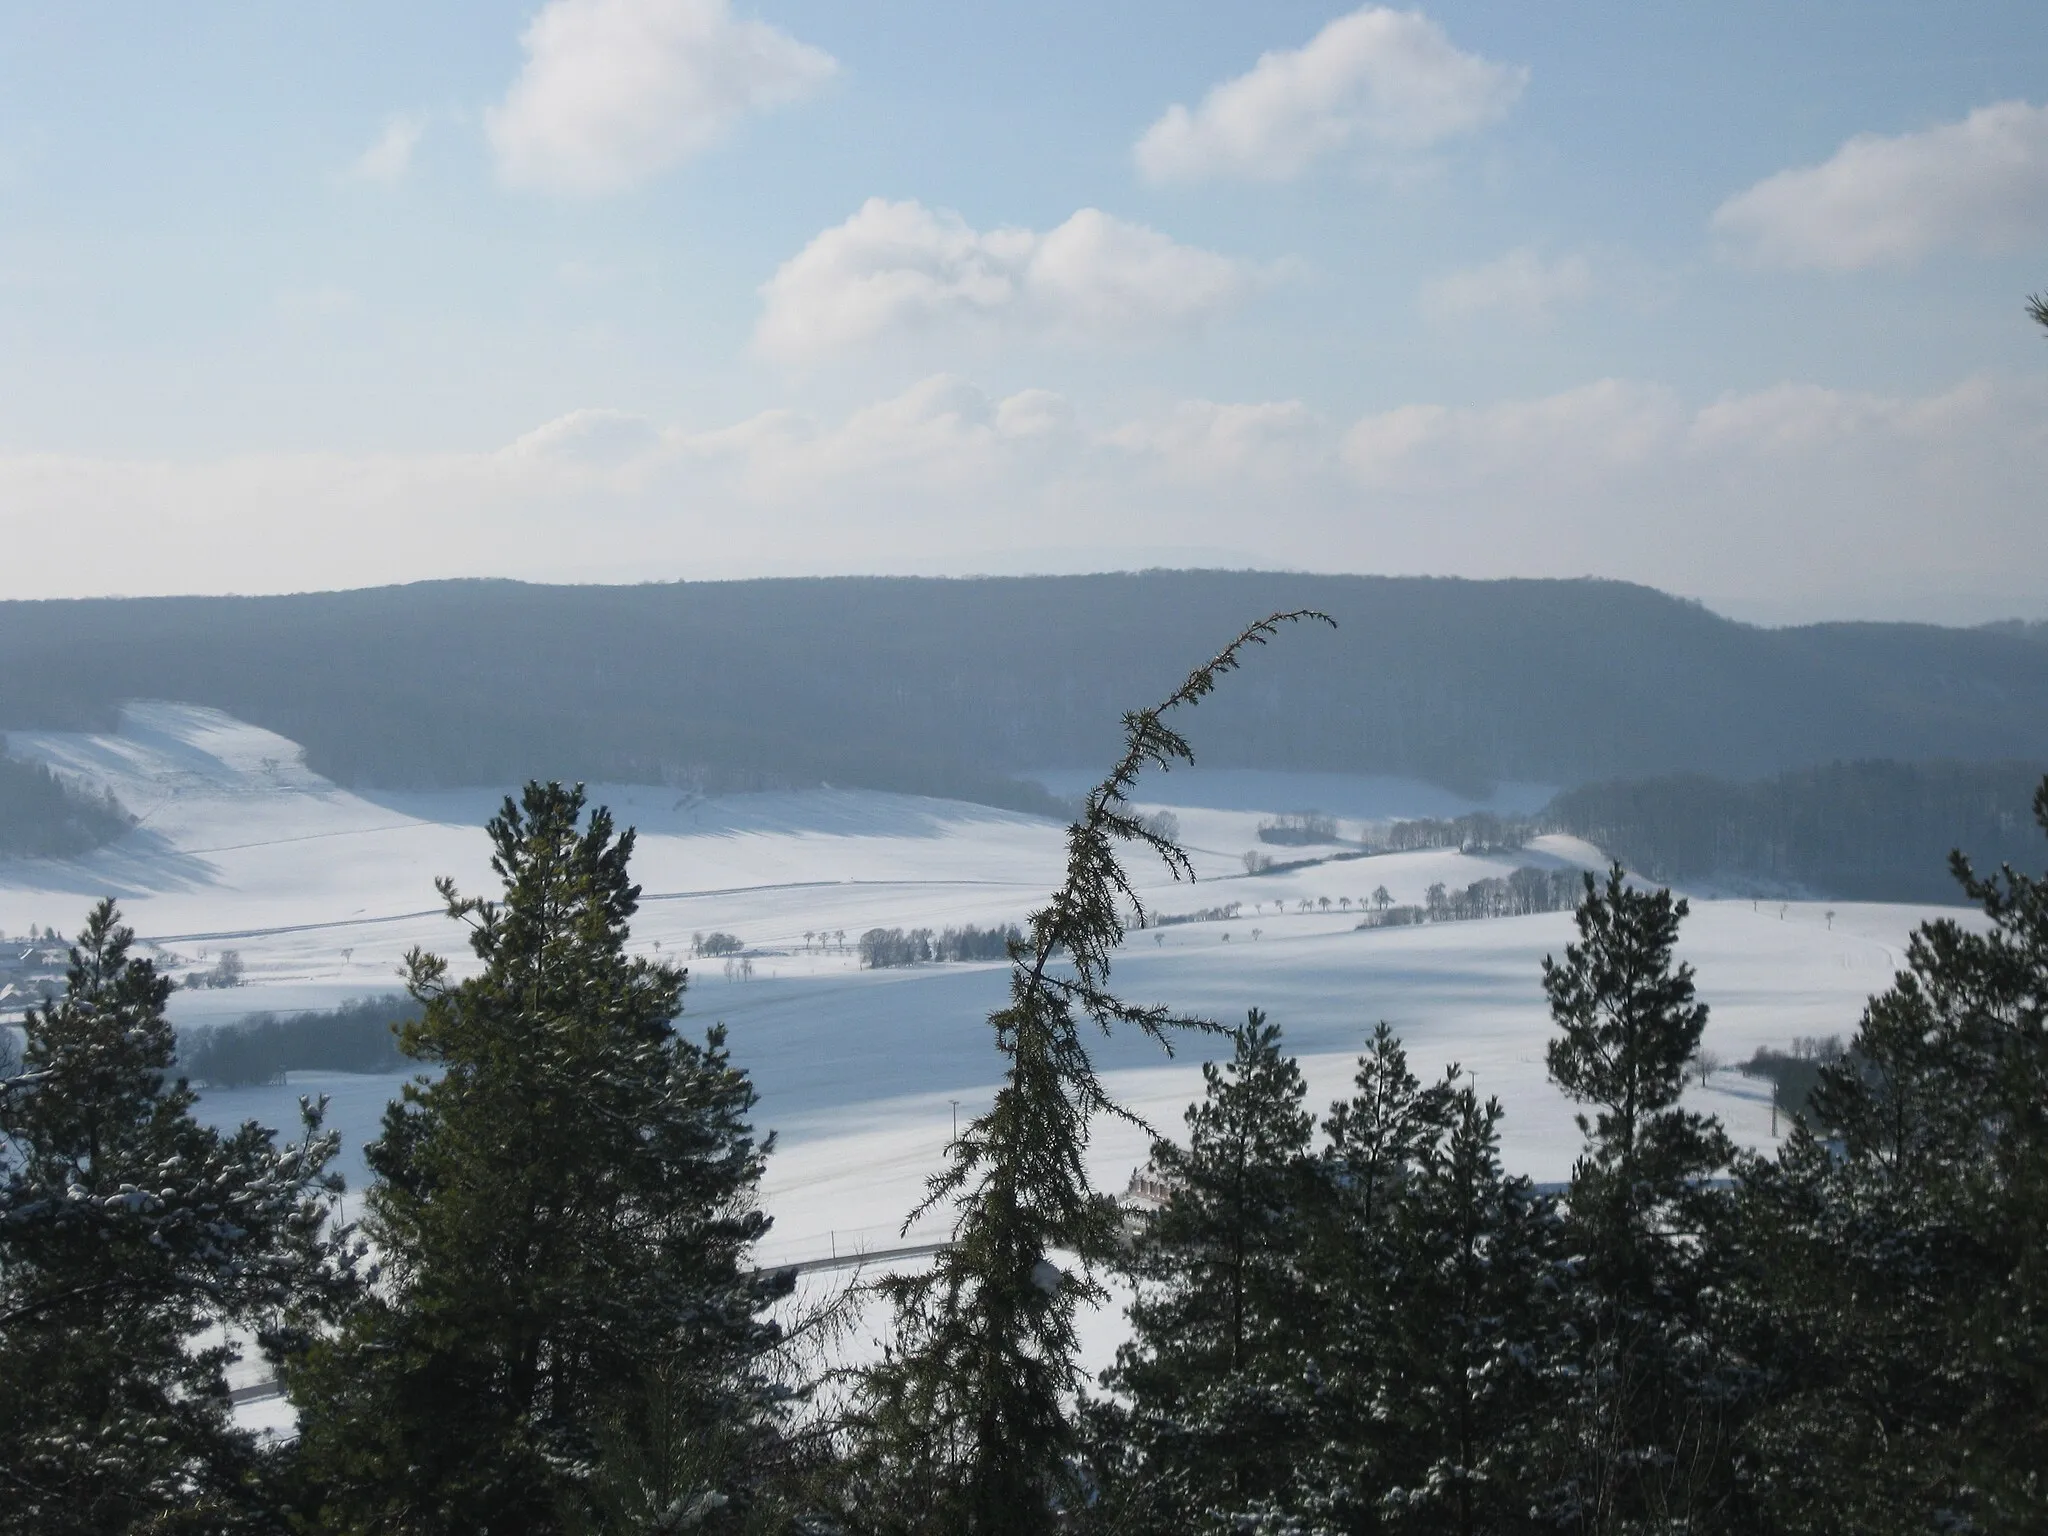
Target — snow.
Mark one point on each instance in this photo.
(322, 890)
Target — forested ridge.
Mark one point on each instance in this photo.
(1865, 831)
(955, 686)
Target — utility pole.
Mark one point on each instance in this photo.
(956, 1118)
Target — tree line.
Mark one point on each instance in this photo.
(1475, 832)
(881, 948)
(359, 1035)
(44, 817)
(547, 1320)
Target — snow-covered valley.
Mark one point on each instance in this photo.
(321, 890)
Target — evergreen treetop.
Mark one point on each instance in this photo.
(127, 1230)
(1209, 1393)
(563, 1213)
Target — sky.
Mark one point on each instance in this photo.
(1728, 299)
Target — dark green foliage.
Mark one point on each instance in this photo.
(358, 1036)
(1427, 1261)
(563, 1216)
(1339, 1343)
(966, 1425)
(923, 685)
(1902, 1270)
(1376, 1141)
(1211, 1395)
(43, 817)
(1464, 1331)
(126, 1228)
(1639, 1429)
(1862, 831)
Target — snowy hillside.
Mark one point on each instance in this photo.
(321, 890)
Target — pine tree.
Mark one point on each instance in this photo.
(127, 1230)
(1211, 1406)
(1429, 1261)
(1903, 1268)
(1376, 1142)
(966, 1426)
(1646, 1388)
(1457, 1413)
(563, 1214)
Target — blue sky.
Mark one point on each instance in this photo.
(1725, 299)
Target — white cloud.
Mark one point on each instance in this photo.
(1201, 439)
(1576, 437)
(614, 92)
(901, 268)
(1981, 183)
(590, 437)
(1521, 285)
(1376, 79)
(391, 156)
(941, 432)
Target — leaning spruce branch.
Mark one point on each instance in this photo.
(1076, 923)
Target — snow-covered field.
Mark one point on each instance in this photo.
(321, 890)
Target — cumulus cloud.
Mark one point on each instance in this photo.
(614, 92)
(1981, 184)
(1521, 285)
(902, 268)
(1376, 80)
(391, 156)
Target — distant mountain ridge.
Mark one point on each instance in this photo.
(953, 686)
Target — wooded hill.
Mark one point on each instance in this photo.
(1869, 831)
(955, 686)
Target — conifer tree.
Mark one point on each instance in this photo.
(967, 1425)
(1429, 1263)
(1902, 1262)
(1639, 1438)
(1376, 1141)
(1457, 1417)
(563, 1214)
(1211, 1392)
(126, 1230)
